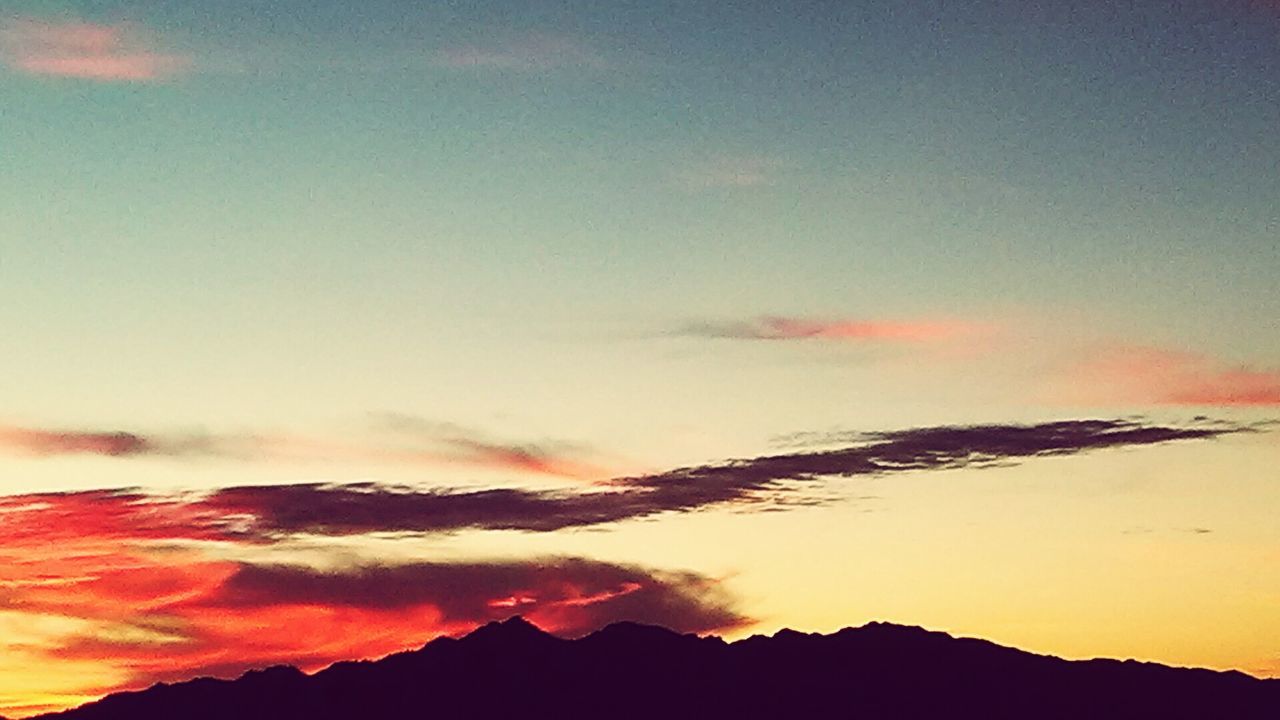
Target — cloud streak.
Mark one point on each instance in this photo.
(772, 327)
(420, 444)
(1156, 376)
(270, 513)
(86, 51)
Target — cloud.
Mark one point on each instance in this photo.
(163, 618)
(417, 444)
(164, 587)
(47, 442)
(568, 595)
(469, 446)
(1154, 376)
(60, 442)
(771, 327)
(143, 603)
(88, 51)
(528, 53)
(270, 513)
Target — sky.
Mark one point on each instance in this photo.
(329, 328)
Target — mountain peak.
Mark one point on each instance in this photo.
(513, 628)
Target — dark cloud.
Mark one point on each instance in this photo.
(222, 618)
(361, 508)
(574, 595)
(267, 513)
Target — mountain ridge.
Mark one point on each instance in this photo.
(878, 670)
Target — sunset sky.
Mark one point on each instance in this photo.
(327, 328)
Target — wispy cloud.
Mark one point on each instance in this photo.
(63, 442)
(84, 50)
(468, 445)
(525, 53)
(411, 444)
(271, 513)
(773, 327)
(1154, 376)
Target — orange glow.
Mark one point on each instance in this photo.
(119, 607)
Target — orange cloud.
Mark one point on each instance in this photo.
(89, 51)
(135, 607)
(1162, 377)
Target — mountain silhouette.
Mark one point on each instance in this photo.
(514, 670)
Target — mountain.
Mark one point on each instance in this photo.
(514, 670)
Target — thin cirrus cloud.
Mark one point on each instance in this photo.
(1156, 376)
(86, 51)
(424, 445)
(774, 327)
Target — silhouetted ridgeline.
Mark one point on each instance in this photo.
(513, 670)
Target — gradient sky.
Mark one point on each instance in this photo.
(522, 256)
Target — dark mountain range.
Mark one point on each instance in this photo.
(513, 670)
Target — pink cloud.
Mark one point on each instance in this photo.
(793, 328)
(1163, 377)
(88, 51)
